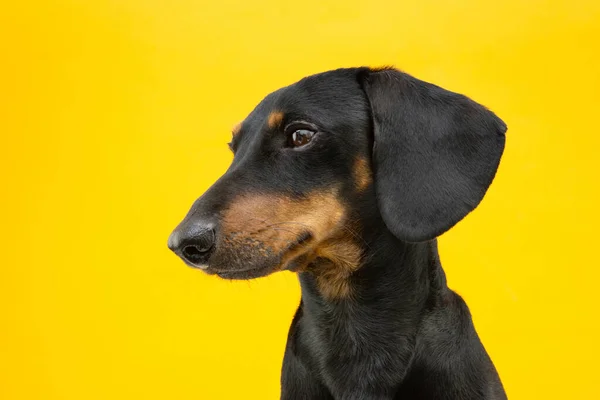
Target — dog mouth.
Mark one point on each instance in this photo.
(286, 260)
(246, 273)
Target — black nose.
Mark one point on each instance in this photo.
(194, 242)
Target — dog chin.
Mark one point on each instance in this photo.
(244, 274)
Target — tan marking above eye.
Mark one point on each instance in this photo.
(236, 129)
(362, 174)
(275, 119)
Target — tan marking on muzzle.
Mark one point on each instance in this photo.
(275, 119)
(362, 174)
(278, 222)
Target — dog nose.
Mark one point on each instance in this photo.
(193, 242)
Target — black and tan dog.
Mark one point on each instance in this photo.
(347, 178)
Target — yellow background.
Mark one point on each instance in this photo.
(115, 114)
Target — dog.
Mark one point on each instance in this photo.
(347, 177)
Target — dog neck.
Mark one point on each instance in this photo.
(400, 282)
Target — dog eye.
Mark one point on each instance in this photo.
(301, 137)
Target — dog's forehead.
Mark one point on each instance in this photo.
(319, 98)
(332, 91)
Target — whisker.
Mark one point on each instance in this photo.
(350, 231)
(288, 222)
(258, 219)
(356, 236)
(285, 230)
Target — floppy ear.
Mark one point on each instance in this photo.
(435, 153)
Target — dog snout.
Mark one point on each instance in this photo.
(194, 242)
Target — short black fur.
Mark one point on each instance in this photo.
(401, 333)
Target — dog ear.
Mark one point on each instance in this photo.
(435, 153)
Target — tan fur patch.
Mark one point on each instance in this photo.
(362, 174)
(275, 119)
(334, 280)
(278, 222)
(236, 128)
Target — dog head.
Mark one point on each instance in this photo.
(314, 158)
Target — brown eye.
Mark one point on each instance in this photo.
(301, 137)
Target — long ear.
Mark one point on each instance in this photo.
(435, 153)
